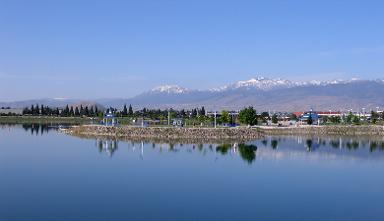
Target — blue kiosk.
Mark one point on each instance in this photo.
(110, 119)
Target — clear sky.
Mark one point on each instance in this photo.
(96, 49)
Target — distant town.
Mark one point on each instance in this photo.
(197, 117)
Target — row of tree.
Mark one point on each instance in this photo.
(36, 110)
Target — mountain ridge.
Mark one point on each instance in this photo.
(262, 93)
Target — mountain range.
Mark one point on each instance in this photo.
(262, 93)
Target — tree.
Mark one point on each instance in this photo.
(81, 110)
(264, 116)
(77, 112)
(356, 119)
(71, 112)
(374, 117)
(130, 111)
(248, 116)
(92, 112)
(349, 117)
(125, 111)
(225, 118)
(335, 119)
(310, 119)
(275, 120)
(65, 112)
(32, 110)
(202, 111)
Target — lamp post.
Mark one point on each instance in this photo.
(214, 114)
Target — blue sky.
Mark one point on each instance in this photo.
(95, 49)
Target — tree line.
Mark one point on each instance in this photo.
(68, 111)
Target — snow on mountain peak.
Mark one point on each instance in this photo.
(170, 89)
(261, 83)
(258, 83)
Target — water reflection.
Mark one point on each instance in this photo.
(35, 128)
(107, 146)
(271, 146)
(277, 147)
(248, 152)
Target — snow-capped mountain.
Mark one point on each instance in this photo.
(267, 84)
(170, 89)
(257, 83)
(260, 83)
(270, 94)
(260, 92)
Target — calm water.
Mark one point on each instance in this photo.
(46, 175)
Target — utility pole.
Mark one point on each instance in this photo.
(169, 118)
(215, 118)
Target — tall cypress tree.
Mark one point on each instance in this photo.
(125, 111)
(77, 112)
(130, 111)
(37, 110)
(71, 112)
(92, 112)
(65, 112)
(81, 110)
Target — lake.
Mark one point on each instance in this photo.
(47, 175)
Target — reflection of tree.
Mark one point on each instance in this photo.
(37, 128)
(248, 152)
(264, 142)
(309, 143)
(373, 146)
(107, 146)
(352, 145)
(274, 144)
(223, 149)
(200, 147)
(376, 146)
(334, 143)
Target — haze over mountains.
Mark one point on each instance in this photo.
(262, 93)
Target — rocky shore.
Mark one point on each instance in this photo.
(166, 133)
(344, 130)
(240, 134)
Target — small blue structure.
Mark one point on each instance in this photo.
(110, 119)
(314, 115)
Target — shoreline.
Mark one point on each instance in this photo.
(341, 130)
(217, 134)
(165, 133)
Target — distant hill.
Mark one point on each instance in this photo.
(280, 95)
(262, 93)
